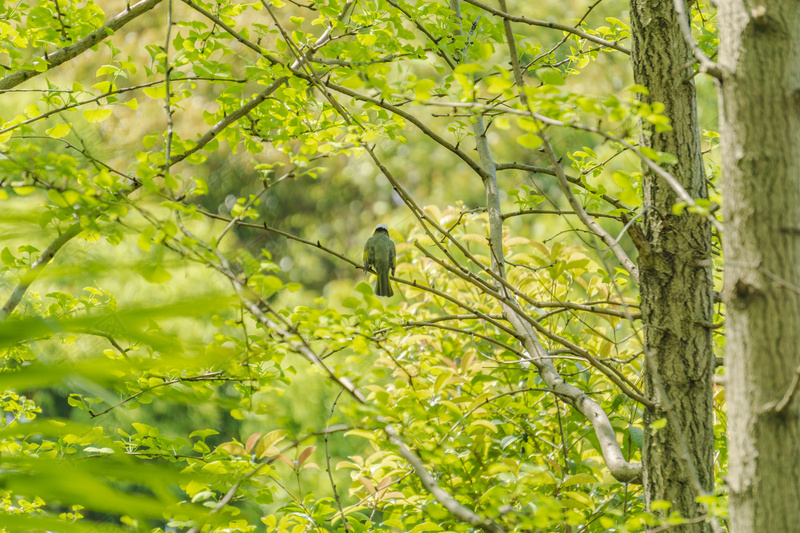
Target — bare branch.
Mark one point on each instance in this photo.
(328, 464)
(268, 461)
(168, 87)
(652, 165)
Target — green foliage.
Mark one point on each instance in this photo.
(181, 362)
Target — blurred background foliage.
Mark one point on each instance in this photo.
(130, 330)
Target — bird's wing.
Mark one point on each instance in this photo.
(369, 255)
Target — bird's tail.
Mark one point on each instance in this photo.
(382, 286)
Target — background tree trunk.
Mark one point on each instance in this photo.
(675, 269)
(760, 59)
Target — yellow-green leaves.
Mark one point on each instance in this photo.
(59, 130)
(550, 76)
(97, 115)
(530, 140)
(156, 91)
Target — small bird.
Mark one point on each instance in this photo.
(379, 255)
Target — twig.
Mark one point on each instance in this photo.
(546, 24)
(451, 504)
(210, 376)
(63, 55)
(168, 87)
(328, 463)
(621, 469)
(706, 65)
(36, 269)
(522, 212)
(588, 221)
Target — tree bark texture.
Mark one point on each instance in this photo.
(760, 60)
(675, 271)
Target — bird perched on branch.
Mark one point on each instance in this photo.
(379, 255)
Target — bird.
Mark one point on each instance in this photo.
(379, 255)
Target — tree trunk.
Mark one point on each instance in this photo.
(675, 270)
(760, 60)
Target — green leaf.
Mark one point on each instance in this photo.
(550, 76)
(497, 85)
(266, 446)
(156, 92)
(59, 130)
(367, 39)
(637, 436)
(579, 479)
(155, 274)
(639, 89)
(351, 302)
(57, 198)
(7, 257)
(97, 115)
(660, 505)
(530, 141)
(426, 526)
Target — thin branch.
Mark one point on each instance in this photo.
(522, 212)
(73, 230)
(63, 55)
(227, 120)
(268, 461)
(328, 464)
(549, 171)
(486, 401)
(619, 379)
(233, 33)
(209, 376)
(441, 53)
(621, 469)
(652, 165)
(286, 332)
(67, 107)
(706, 65)
(588, 221)
(410, 118)
(546, 24)
(168, 87)
(36, 269)
(563, 39)
(433, 324)
(450, 503)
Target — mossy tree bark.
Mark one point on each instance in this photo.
(675, 271)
